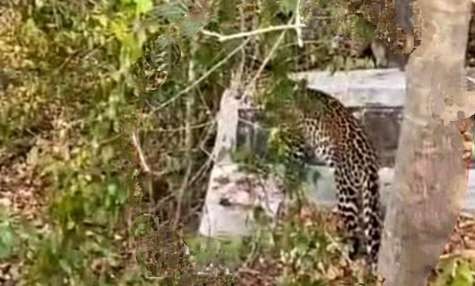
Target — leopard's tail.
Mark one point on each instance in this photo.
(372, 217)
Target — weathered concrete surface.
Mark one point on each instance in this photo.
(383, 125)
(360, 88)
(364, 88)
(233, 196)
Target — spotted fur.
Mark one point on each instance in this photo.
(328, 132)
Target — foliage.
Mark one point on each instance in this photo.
(229, 252)
(456, 272)
(300, 250)
(313, 255)
(78, 78)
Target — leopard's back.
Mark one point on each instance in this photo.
(337, 138)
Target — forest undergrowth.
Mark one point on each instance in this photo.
(106, 125)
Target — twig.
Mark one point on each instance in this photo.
(146, 168)
(183, 128)
(210, 157)
(203, 77)
(471, 79)
(188, 139)
(143, 161)
(298, 25)
(266, 60)
(242, 63)
(248, 271)
(223, 38)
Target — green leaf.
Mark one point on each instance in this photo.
(112, 190)
(107, 153)
(102, 20)
(7, 239)
(120, 30)
(288, 6)
(190, 27)
(463, 275)
(64, 264)
(362, 29)
(173, 12)
(143, 6)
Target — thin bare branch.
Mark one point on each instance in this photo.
(143, 161)
(298, 25)
(277, 43)
(203, 77)
(471, 79)
(190, 102)
(183, 128)
(223, 38)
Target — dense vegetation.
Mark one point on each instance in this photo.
(86, 86)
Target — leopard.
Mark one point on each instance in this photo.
(326, 132)
(323, 131)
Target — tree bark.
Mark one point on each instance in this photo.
(430, 177)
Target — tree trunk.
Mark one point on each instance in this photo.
(430, 178)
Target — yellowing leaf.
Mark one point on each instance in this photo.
(463, 275)
(143, 6)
